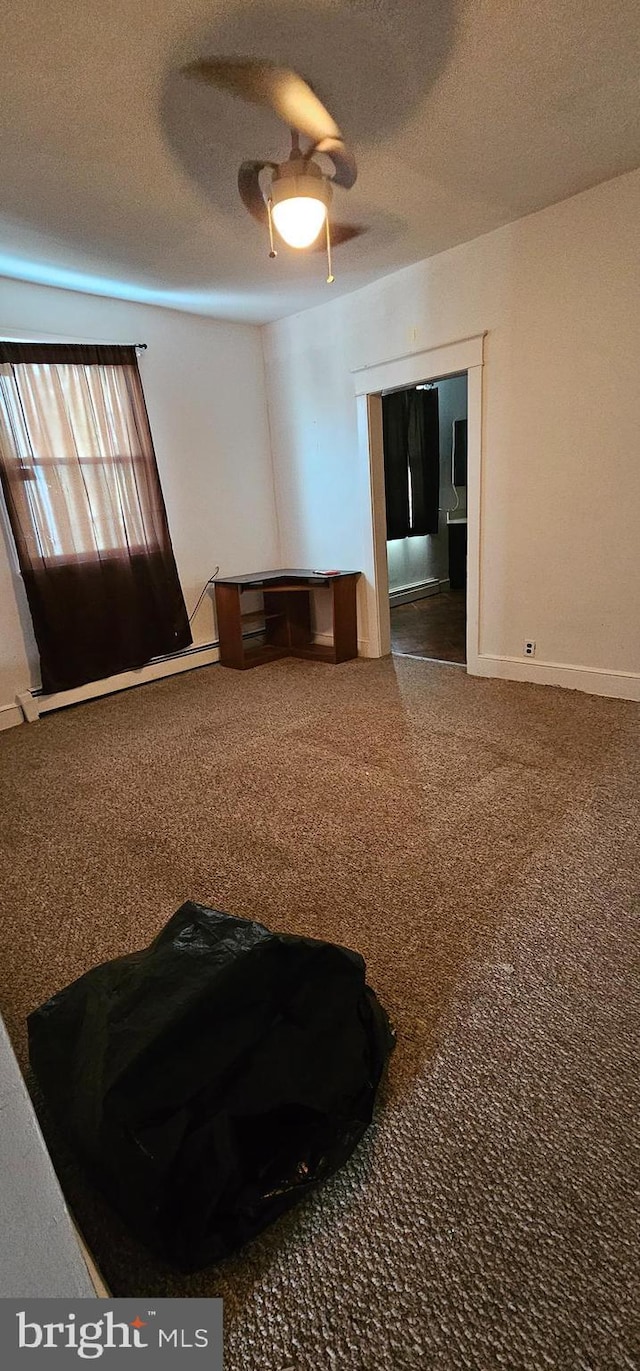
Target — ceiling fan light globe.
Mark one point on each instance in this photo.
(299, 219)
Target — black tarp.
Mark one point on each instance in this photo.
(209, 1081)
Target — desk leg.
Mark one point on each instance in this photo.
(345, 620)
(228, 616)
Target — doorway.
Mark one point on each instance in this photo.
(425, 455)
(370, 383)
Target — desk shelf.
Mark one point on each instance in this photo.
(286, 617)
(258, 616)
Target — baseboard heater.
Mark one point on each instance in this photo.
(33, 703)
(405, 594)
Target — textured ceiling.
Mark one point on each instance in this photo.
(118, 175)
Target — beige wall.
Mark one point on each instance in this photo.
(557, 293)
(561, 468)
(204, 386)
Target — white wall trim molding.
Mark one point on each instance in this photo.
(371, 450)
(326, 640)
(27, 700)
(441, 361)
(618, 685)
(431, 364)
(32, 705)
(10, 715)
(474, 506)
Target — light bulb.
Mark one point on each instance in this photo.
(299, 219)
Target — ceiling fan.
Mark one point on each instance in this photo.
(297, 197)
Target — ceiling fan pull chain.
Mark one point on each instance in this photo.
(272, 251)
(330, 276)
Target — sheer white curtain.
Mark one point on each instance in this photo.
(73, 453)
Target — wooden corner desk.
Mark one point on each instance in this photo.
(286, 615)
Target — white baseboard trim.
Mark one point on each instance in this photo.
(406, 594)
(28, 702)
(618, 685)
(10, 715)
(326, 639)
(32, 705)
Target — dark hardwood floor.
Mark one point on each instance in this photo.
(434, 627)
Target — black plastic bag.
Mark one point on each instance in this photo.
(209, 1081)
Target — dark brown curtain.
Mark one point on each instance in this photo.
(83, 495)
(411, 441)
(396, 464)
(460, 452)
(423, 446)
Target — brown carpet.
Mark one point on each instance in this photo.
(477, 842)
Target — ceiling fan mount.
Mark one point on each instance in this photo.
(297, 197)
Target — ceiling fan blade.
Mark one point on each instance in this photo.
(340, 233)
(344, 162)
(281, 89)
(250, 191)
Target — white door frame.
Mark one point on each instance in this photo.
(432, 364)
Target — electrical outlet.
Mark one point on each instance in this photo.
(529, 648)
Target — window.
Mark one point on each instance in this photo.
(78, 458)
(83, 494)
